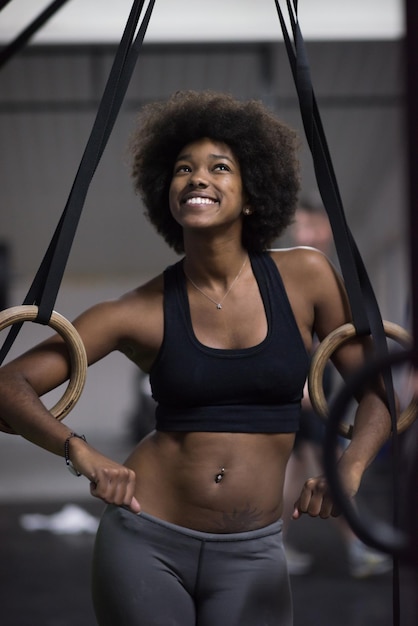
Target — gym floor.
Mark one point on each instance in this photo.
(44, 575)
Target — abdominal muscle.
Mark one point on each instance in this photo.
(212, 482)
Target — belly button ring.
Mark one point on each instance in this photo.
(219, 476)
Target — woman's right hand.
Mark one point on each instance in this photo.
(110, 481)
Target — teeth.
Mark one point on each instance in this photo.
(200, 201)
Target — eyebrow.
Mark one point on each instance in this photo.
(185, 157)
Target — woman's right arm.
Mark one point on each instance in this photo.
(26, 378)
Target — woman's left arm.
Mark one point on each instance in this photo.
(371, 430)
(372, 421)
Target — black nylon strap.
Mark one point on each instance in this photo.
(365, 310)
(364, 306)
(327, 184)
(18, 43)
(45, 286)
(3, 4)
(112, 99)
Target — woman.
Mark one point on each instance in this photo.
(192, 534)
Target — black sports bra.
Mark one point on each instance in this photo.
(256, 389)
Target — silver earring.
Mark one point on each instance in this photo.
(247, 211)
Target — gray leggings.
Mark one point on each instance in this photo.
(148, 572)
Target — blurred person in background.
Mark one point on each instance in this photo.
(311, 228)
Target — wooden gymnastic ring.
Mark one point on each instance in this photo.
(324, 351)
(77, 353)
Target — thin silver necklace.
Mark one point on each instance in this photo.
(218, 304)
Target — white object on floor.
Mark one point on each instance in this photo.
(71, 520)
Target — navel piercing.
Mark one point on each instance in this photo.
(219, 476)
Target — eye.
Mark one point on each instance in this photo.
(181, 168)
(223, 167)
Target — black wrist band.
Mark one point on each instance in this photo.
(70, 466)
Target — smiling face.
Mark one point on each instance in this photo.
(206, 187)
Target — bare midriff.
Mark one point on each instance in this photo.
(212, 482)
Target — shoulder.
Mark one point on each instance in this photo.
(314, 287)
(137, 301)
(149, 294)
(132, 323)
(140, 307)
(303, 263)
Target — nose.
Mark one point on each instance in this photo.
(197, 179)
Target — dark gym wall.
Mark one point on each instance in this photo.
(49, 97)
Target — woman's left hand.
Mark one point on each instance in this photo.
(315, 500)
